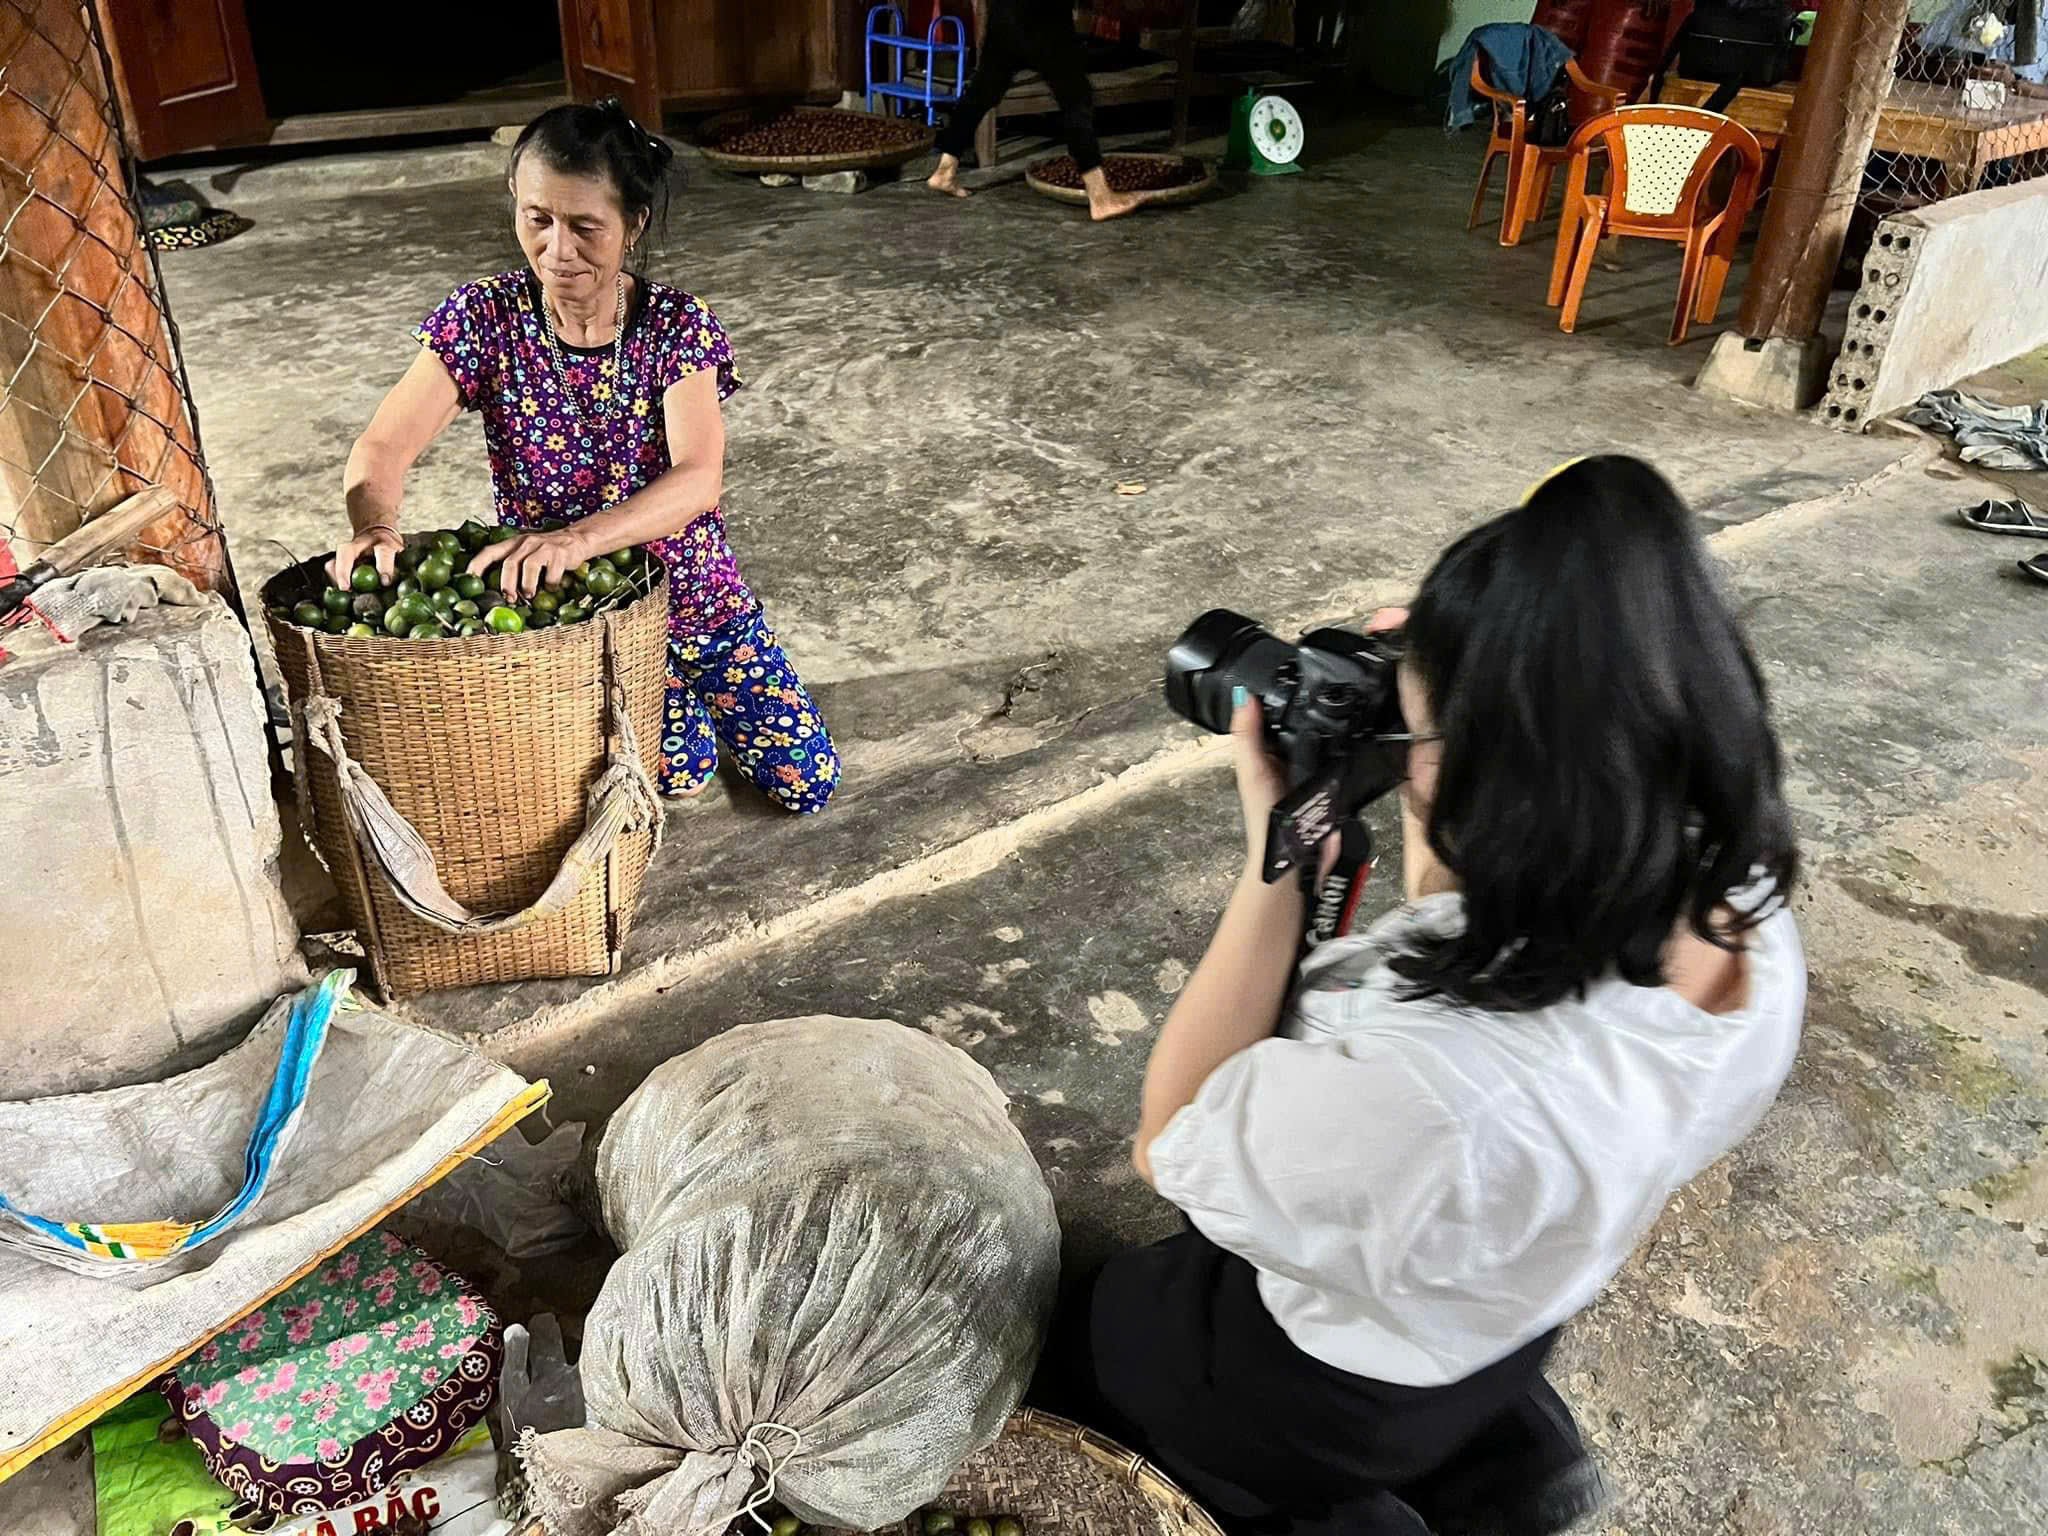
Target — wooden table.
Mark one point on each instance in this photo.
(1916, 119)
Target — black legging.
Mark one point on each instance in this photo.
(1028, 34)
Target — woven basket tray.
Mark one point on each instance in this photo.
(488, 745)
(1063, 1480)
(918, 141)
(1165, 197)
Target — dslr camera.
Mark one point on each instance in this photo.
(1332, 716)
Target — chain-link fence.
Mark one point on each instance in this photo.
(1953, 114)
(93, 401)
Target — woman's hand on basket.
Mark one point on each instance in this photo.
(532, 560)
(379, 544)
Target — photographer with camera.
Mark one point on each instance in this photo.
(1407, 1163)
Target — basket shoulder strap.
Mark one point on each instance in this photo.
(622, 800)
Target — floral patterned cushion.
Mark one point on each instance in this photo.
(377, 1361)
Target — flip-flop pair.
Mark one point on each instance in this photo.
(2017, 519)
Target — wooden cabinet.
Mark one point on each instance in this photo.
(694, 54)
(186, 73)
(608, 50)
(720, 51)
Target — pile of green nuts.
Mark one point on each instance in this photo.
(434, 596)
(944, 1522)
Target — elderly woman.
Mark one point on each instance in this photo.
(600, 393)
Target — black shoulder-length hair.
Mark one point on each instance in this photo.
(1608, 762)
(604, 141)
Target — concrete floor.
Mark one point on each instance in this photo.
(1318, 381)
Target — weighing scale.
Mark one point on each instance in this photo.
(1265, 136)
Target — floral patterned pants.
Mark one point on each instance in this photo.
(734, 686)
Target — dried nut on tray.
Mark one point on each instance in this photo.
(795, 135)
(1125, 173)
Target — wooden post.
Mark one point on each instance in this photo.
(985, 131)
(92, 407)
(1184, 72)
(1827, 143)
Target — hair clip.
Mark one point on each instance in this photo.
(1530, 495)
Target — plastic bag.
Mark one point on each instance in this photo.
(512, 1192)
(840, 1258)
(450, 1497)
(538, 1389)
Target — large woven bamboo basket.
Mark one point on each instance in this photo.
(489, 746)
(916, 140)
(1061, 1479)
(1160, 197)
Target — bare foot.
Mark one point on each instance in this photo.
(1102, 202)
(946, 178)
(1112, 205)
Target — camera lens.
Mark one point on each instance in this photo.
(1218, 652)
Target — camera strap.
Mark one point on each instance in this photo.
(1333, 899)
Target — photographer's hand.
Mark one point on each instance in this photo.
(1260, 779)
(1261, 783)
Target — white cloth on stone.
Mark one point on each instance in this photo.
(109, 594)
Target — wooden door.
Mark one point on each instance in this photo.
(608, 50)
(186, 73)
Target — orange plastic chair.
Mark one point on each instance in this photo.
(1530, 166)
(1660, 169)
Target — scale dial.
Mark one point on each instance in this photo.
(1276, 130)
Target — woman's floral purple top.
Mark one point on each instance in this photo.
(547, 462)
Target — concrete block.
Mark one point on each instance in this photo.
(1780, 374)
(141, 922)
(837, 181)
(1948, 290)
(53, 1495)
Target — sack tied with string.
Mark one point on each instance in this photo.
(839, 1262)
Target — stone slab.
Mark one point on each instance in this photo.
(141, 923)
(1948, 291)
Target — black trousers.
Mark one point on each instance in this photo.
(1028, 34)
(1170, 1351)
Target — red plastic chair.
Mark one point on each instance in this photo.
(1569, 19)
(1660, 169)
(1627, 40)
(1531, 167)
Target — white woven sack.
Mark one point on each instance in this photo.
(840, 1258)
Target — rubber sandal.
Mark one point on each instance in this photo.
(2013, 517)
(2036, 568)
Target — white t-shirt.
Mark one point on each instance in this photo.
(1424, 1188)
